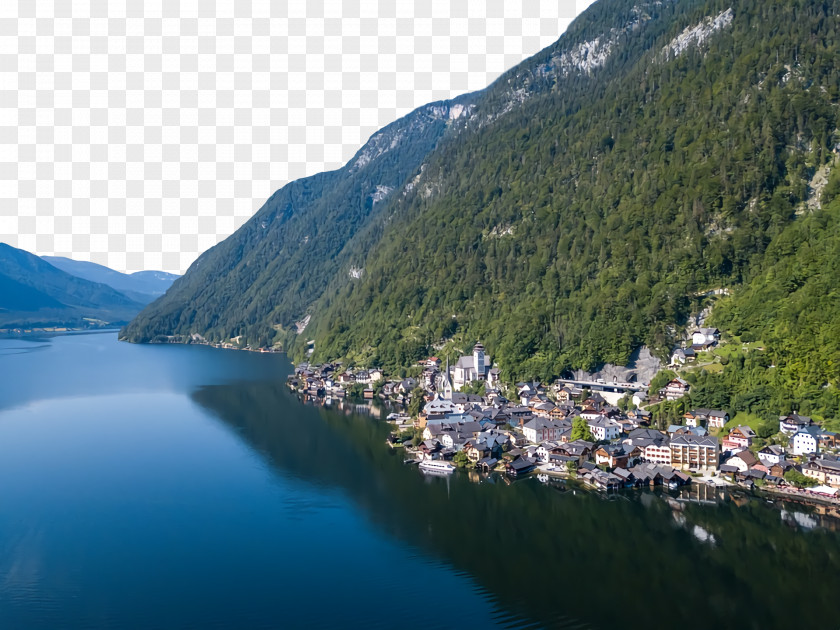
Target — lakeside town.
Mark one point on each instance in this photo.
(597, 432)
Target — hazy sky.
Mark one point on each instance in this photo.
(138, 134)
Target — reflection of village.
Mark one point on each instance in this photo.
(576, 431)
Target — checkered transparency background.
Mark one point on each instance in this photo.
(138, 133)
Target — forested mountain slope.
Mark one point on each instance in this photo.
(581, 224)
(584, 202)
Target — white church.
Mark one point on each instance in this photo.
(471, 368)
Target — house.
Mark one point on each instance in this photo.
(771, 454)
(604, 429)
(476, 450)
(471, 368)
(806, 440)
(375, 375)
(674, 390)
(361, 376)
(713, 418)
(704, 337)
(739, 438)
(681, 356)
(439, 407)
(639, 398)
(743, 461)
(520, 466)
(823, 470)
(465, 402)
(603, 480)
(692, 451)
(613, 455)
(626, 476)
(487, 464)
(793, 422)
(779, 470)
(541, 429)
(546, 449)
(658, 452)
(579, 449)
(407, 385)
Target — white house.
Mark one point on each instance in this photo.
(471, 368)
(439, 407)
(806, 441)
(705, 336)
(658, 453)
(603, 428)
(681, 356)
(541, 430)
(771, 454)
(677, 388)
(792, 423)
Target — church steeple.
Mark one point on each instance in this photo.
(447, 384)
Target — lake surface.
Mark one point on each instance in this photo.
(186, 487)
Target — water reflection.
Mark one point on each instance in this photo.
(562, 558)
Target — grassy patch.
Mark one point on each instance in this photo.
(742, 418)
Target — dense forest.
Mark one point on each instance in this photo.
(581, 207)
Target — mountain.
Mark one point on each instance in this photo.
(33, 293)
(141, 286)
(586, 203)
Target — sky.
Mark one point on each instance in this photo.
(138, 134)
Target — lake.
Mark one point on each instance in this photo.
(186, 487)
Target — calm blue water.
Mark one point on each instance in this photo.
(184, 487)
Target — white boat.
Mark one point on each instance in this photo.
(436, 466)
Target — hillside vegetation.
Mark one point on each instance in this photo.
(576, 210)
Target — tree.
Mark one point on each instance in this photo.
(580, 430)
(796, 478)
(415, 406)
(461, 460)
(476, 387)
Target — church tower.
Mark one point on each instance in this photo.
(478, 362)
(447, 384)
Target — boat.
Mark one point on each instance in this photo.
(436, 466)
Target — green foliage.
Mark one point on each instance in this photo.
(796, 478)
(790, 301)
(355, 390)
(476, 387)
(580, 430)
(461, 460)
(415, 406)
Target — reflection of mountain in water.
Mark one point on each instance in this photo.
(554, 556)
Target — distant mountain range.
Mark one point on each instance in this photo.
(35, 293)
(141, 286)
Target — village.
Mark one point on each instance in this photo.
(464, 417)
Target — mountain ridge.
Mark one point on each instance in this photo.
(37, 294)
(140, 286)
(587, 200)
